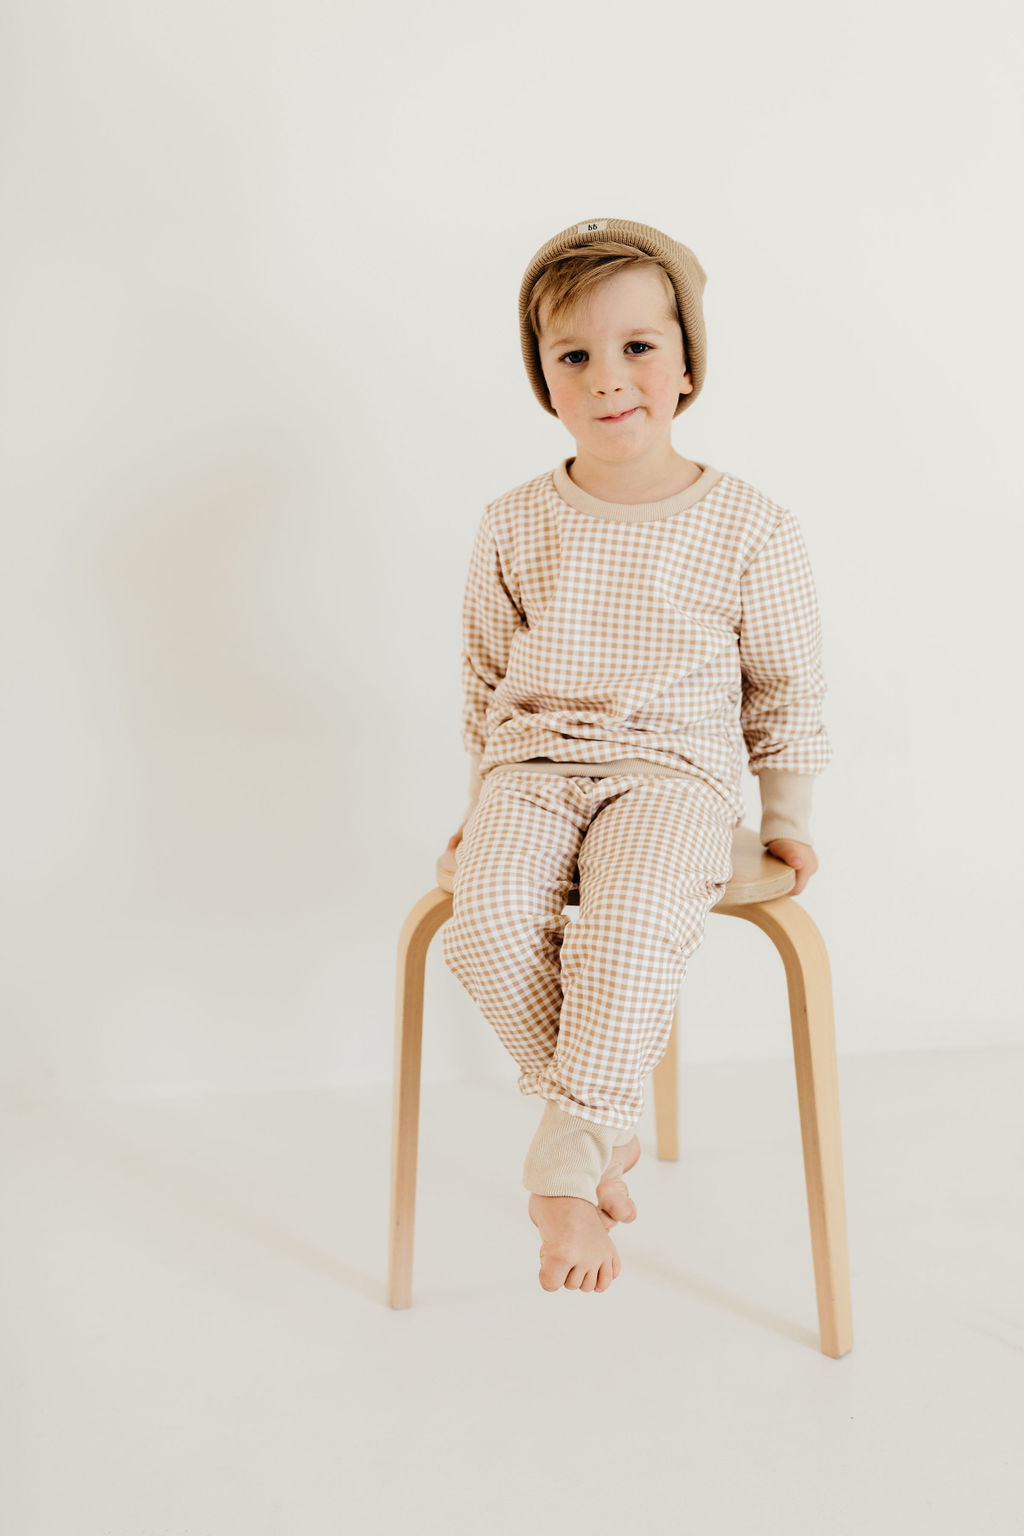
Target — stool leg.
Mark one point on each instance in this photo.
(809, 982)
(666, 1097)
(414, 941)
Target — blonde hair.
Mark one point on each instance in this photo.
(569, 280)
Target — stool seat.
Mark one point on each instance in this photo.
(757, 875)
(757, 892)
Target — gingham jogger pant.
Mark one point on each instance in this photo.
(585, 1004)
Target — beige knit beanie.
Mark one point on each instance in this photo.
(688, 279)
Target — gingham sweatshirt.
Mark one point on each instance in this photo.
(680, 636)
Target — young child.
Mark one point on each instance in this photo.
(636, 625)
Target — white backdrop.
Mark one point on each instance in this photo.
(260, 374)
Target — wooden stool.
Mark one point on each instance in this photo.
(757, 891)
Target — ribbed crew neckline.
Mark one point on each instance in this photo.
(633, 512)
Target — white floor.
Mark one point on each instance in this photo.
(196, 1339)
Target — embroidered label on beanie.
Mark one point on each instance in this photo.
(591, 224)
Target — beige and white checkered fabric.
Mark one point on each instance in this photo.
(620, 665)
(690, 641)
(585, 1004)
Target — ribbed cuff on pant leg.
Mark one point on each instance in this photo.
(621, 1137)
(567, 1155)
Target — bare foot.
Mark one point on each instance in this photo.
(613, 1198)
(577, 1251)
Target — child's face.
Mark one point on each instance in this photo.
(623, 353)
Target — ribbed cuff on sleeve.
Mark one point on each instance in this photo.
(475, 780)
(785, 804)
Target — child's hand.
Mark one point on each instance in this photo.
(800, 856)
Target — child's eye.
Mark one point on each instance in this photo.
(580, 353)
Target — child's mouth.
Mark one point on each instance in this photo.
(621, 417)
